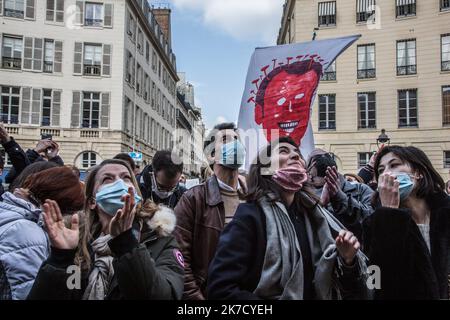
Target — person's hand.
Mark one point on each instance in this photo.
(54, 150)
(123, 220)
(332, 181)
(325, 196)
(388, 188)
(60, 236)
(347, 245)
(43, 145)
(4, 135)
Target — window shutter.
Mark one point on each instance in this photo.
(1, 8)
(79, 18)
(26, 104)
(108, 19)
(50, 11)
(38, 54)
(59, 13)
(28, 54)
(76, 107)
(57, 62)
(104, 119)
(78, 58)
(29, 10)
(36, 106)
(56, 108)
(106, 60)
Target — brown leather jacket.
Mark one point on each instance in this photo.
(200, 220)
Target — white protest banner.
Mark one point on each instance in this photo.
(279, 93)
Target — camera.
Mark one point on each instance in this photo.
(46, 136)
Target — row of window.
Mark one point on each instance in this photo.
(42, 107)
(138, 38)
(31, 54)
(406, 59)
(406, 104)
(45, 55)
(365, 10)
(364, 157)
(37, 106)
(139, 123)
(90, 14)
(137, 78)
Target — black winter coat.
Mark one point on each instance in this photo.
(152, 270)
(235, 271)
(408, 269)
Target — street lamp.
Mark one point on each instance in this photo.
(383, 138)
(314, 33)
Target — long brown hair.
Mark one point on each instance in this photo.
(90, 227)
(59, 184)
(261, 185)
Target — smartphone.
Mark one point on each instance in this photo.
(46, 136)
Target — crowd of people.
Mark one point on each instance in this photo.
(291, 228)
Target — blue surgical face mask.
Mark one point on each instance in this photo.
(109, 197)
(406, 185)
(233, 155)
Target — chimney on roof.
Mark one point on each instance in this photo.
(162, 16)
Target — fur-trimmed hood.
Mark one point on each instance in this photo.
(163, 221)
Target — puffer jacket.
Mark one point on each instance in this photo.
(23, 246)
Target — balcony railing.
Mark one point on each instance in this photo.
(406, 10)
(53, 132)
(406, 70)
(92, 70)
(366, 73)
(12, 130)
(11, 63)
(93, 22)
(445, 5)
(89, 134)
(329, 76)
(48, 66)
(13, 13)
(445, 65)
(363, 16)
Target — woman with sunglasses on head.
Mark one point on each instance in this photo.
(408, 236)
(124, 248)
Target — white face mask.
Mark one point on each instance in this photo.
(159, 193)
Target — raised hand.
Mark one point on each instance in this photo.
(388, 188)
(123, 220)
(54, 150)
(43, 145)
(332, 181)
(60, 236)
(347, 245)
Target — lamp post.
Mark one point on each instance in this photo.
(315, 33)
(383, 138)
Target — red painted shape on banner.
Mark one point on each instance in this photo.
(284, 98)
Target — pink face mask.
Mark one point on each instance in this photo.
(290, 178)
